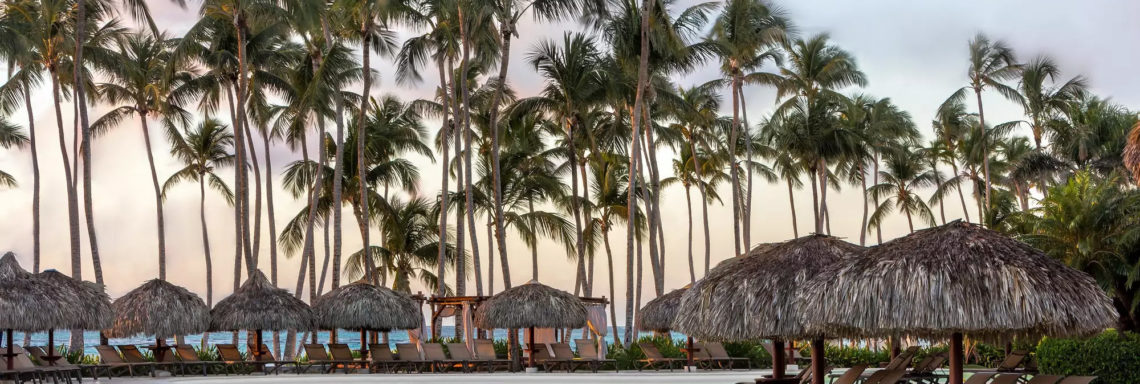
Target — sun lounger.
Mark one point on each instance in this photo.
(229, 355)
(980, 378)
(41, 359)
(902, 361)
(434, 353)
(588, 352)
(265, 357)
(381, 358)
(541, 354)
(409, 353)
(132, 355)
(341, 353)
(191, 362)
(1012, 361)
(23, 369)
(485, 352)
(718, 354)
(115, 362)
(851, 375)
(1007, 378)
(1077, 380)
(563, 356)
(319, 356)
(1044, 379)
(459, 352)
(654, 359)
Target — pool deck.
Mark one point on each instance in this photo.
(719, 377)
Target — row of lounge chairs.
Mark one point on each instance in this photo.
(707, 355)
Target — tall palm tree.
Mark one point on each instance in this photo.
(902, 179)
(1043, 101)
(20, 55)
(203, 150)
(409, 250)
(991, 63)
(698, 117)
(814, 70)
(141, 82)
(951, 125)
(688, 176)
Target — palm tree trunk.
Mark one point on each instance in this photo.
(586, 220)
(909, 220)
(506, 30)
(269, 207)
(656, 235)
(704, 201)
(361, 155)
(815, 201)
(875, 173)
(239, 143)
(863, 226)
(733, 137)
(534, 239)
(631, 202)
(206, 243)
(445, 162)
(490, 258)
(985, 146)
(689, 208)
(256, 191)
(338, 171)
(792, 204)
(35, 181)
(613, 295)
(85, 124)
(460, 267)
(748, 190)
(961, 196)
(72, 200)
(938, 187)
(576, 208)
(823, 194)
(237, 202)
(157, 199)
(457, 137)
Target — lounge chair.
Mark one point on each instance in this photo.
(717, 353)
(341, 352)
(1007, 378)
(190, 360)
(132, 354)
(541, 355)
(460, 352)
(380, 357)
(588, 353)
(851, 375)
(1044, 379)
(876, 377)
(319, 356)
(805, 376)
(229, 355)
(980, 378)
(265, 357)
(1012, 361)
(115, 362)
(434, 353)
(563, 356)
(892, 377)
(654, 359)
(1077, 380)
(409, 353)
(902, 361)
(23, 369)
(485, 352)
(40, 359)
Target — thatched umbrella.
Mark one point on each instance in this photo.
(26, 304)
(259, 306)
(87, 303)
(658, 314)
(531, 305)
(954, 280)
(161, 309)
(755, 296)
(366, 307)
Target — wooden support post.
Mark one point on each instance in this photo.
(818, 361)
(779, 364)
(956, 358)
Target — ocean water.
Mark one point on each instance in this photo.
(91, 338)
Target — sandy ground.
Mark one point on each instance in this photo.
(719, 377)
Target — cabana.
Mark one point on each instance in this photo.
(87, 304)
(161, 309)
(755, 296)
(531, 305)
(259, 306)
(366, 307)
(953, 281)
(658, 314)
(464, 307)
(26, 305)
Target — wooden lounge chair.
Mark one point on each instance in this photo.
(434, 353)
(563, 356)
(851, 375)
(541, 355)
(115, 362)
(409, 353)
(1007, 378)
(23, 369)
(902, 361)
(485, 352)
(380, 358)
(230, 356)
(319, 356)
(654, 359)
(265, 357)
(191, 362)
(893, 377)
(1012, 361)
(717, 353)
(876, 377)
(980, 378)
(1078, 380)
(341, 352)
(1044, 379)
(132, 355)
(460, 352)
(39, 356)
(588, 353)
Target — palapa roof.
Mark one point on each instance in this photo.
(366, 306)
(258, 305)
(25, 303)
(161, 309)
(754, 297)
(531, 305)
(958, 277)
(87, 302)
(657, 315)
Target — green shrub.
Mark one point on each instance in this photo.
(754, 351)
(1112, 356)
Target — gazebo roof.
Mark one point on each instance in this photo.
(531, 305)
(258, 305)
(161, 309)
(366, 306)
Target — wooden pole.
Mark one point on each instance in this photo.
(896, 346)
(779, 365)
(818, 361)
(51, 347)
(11, 353)
(363, 344)
(257, 348)
(531, 348)
(956, 358)
(689, 353)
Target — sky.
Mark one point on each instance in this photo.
(911, 51)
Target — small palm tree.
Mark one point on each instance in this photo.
(1043, 101)
(10, 137)
(203, 150)
(902, 179)
(409, 250)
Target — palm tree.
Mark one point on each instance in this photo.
(203, 150)
(688, 176)
(951, 125)
(991, 63)
(903, 177)
(141, 82)
(20, 53)
(815, 70)
(1041, 101)
(10, 137)
(1090, 133)
(698, 116)
(409, 250)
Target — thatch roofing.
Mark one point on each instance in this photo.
(531, 305)
(25, 303)
(956, 278)
(366, 306)
(755, 297)
(87, 303)
(657, 315)
(161, 309)
(258, 305)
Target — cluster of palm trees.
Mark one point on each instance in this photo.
(570, 164)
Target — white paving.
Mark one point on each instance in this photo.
(709, 377)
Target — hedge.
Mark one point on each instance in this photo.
(1113, 356)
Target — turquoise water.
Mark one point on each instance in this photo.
(91, 338)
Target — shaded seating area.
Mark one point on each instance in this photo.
(366, 308)
(259, 306)
(529, 306)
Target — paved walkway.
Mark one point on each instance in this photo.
(708, 377)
